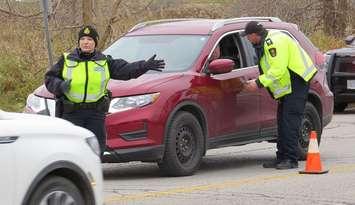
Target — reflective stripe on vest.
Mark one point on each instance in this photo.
(297, 61)
(309, 69)
(88, 84)
(275, 88)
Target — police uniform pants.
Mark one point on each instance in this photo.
(289, 118)
(92, 120)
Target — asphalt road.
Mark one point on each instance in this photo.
(234, 175)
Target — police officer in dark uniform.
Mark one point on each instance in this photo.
(79, 80)
(285, 71)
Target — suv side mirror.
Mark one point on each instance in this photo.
(220, 66)
(350, 40)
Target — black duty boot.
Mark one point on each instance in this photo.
(287, 164)
(271, 164)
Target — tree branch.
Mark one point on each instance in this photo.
(8, 5)
(143, 9)
(108, 30)
(52, 14)
(20, 15)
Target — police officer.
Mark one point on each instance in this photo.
(285, 71)
(79, 80)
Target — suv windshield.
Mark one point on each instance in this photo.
(178, 51)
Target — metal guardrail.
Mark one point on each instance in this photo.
(219, 22)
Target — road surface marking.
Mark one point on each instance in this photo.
(223, 185)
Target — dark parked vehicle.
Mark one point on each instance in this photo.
(173, 117)
(340, 65)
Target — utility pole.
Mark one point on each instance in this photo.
(49, 47)
(46, 30)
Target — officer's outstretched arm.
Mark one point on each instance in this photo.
(122, 70)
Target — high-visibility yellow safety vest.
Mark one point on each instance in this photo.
(281, 54)
(88, 79)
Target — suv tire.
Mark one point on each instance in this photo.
(311, 121)
(183, 147)
(56, 190)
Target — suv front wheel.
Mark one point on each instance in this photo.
(311, 121)
(183, 146)
(56, 190)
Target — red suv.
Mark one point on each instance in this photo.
(173, 117)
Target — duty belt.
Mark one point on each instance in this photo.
(101, 105)
(93, 105)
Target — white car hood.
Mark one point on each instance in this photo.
(35, 124)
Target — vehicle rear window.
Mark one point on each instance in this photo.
(178, 51)
(345, 64)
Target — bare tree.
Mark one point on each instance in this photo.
(341, 18)
(112, 20)
(9, 5)
(328, 16)
(88, 12)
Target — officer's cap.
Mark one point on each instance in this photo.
(253, 27)
(89, 31)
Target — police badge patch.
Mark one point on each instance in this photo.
(99, 69)
(272, 52)
(268, 41)
(87, 30)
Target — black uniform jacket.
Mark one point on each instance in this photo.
(119, 69)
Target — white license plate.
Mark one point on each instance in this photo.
(351, 84)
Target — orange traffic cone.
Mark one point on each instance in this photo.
(313, 164)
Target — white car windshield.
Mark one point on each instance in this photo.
(178, 51)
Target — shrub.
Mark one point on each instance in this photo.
(16, 82)
(325, 42)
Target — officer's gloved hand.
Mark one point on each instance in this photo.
(65, 86)
(152, 64)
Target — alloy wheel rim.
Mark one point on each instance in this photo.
(185, 144)
(307, 127)
(58, 198)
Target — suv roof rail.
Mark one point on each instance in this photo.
(146, 23)
(261, 18)
(223, 22)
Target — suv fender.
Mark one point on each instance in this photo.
(67, 170)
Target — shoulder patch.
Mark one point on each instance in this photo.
(272, 52)
(268, 41)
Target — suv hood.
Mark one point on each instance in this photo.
(142, 84)
(348, 51)
(18, 124)
(137, 86)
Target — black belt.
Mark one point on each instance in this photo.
(100, 105)
(93, 105)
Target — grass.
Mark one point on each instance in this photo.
(325, 42)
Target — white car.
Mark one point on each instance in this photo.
(46, 160)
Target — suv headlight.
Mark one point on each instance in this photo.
(36, 103)
(40, 105)
(94, 145)
(130, 102)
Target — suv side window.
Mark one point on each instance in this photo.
(229, 49)
(249, 55)
(238, 49)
